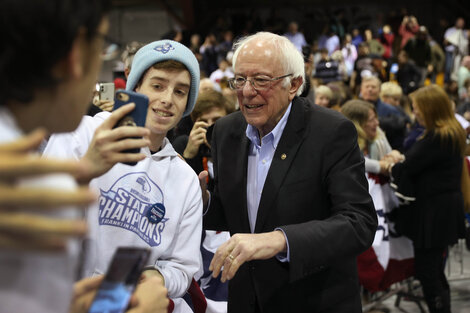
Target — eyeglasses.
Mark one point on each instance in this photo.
(259, 83)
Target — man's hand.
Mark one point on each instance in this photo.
(151, 296)
(246, 247)
(83, 293)
(197, 137)
(29, 231)
(106, 147)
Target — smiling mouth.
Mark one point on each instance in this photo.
(162, 113)
(253, 106)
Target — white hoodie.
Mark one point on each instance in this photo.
(162, 181)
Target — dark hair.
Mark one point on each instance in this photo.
(207, 100)
(36, 35)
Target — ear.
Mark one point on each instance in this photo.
(72, 65)
(76, 57)
(295, 84)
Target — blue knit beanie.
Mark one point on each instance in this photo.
(163, 50)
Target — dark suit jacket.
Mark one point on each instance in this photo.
(316, 191)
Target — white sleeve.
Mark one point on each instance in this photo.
(74, 144)
(179, 265)
(372, 166)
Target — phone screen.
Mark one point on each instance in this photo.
(119, 283)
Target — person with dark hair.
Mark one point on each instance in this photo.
(49, 65)
(408, 75)
(50, 60)
(289, 185)
(419, 50)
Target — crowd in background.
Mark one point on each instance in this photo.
(398, 48)
(403, 98)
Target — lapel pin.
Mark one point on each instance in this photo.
(283, 156)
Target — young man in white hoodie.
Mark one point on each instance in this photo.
(156, 203)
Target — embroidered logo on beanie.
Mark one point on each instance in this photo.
(165, 48)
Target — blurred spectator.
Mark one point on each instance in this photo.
(375, 47)
(208, 84)
(392, 120)
(387, 38)
(408, 28)
(338, 57)
(225, 46)
(323, 95)
(462, 75)
(308, 91)
(341, 94)
(349, 54)
(356, 37)
(127, 55)
(452, 90)
(195, 46)
(209, 54)
(437, 59)
(332, 42)
(174, 34)
(456, 46)
(327, 70)
(408, 75)
(391, 93)
(296, 37)
(419, 51)
(464, 108)
(230, 96)
(362, 67)
(223, 71)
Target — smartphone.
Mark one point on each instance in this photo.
(119, 283)
(106, 91)
(136, 117)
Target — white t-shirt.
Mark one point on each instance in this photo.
(33, 281)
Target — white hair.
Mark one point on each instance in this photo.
(292, 61)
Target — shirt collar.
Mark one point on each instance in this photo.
(274, 136)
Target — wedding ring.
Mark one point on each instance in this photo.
(231, 257)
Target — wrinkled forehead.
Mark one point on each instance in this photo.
(258, 51)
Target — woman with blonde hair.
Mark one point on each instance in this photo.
(433, 166)
(371, 139)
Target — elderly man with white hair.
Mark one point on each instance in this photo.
(290, 188)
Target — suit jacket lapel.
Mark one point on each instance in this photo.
(284, 155)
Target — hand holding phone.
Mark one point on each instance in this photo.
(120, 281)
(136, 117)
(106, 91)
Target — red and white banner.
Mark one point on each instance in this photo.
(390, 258)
